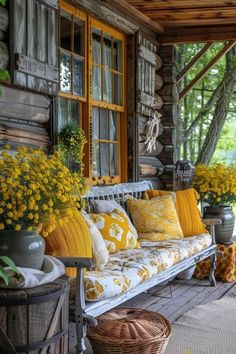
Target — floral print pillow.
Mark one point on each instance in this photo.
(115, 230)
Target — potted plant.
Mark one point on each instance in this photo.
(34, 188)
(216, 185)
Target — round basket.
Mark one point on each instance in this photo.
(130, 330)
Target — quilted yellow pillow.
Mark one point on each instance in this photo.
(188, 212)
(71, 239)
(115, 230)
(155, 219)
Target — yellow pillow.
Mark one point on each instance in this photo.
(156, 219)
(71, 239)
(115, 230)
(188, 212)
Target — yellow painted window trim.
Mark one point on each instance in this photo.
(75, 12)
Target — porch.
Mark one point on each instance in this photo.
(173, 300)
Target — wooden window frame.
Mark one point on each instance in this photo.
(76, 13)
(122, 121)
(87, 102)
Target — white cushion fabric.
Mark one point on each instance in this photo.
(100, 252)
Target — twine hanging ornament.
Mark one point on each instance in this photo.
(152, 131)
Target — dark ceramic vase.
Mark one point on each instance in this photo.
(25, 248)
(224, 231)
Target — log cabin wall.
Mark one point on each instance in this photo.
(156, 166)
(28, 71)
(25, 103)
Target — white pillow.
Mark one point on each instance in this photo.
(100, 252)
(102, 206)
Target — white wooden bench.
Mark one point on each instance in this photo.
(84, 314)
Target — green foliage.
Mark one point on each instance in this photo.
(3, 2)
(4, 74)
(194, 104)
(71, 141)
(6, 261)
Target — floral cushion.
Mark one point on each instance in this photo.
(115, 230)
(126, 269)
(155, 219)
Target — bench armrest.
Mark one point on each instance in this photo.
(77, 262)
(211, 223)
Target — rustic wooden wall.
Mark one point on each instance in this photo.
(156, 166)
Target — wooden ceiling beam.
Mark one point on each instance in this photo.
(125, 8)
(194, 61)
(204, 71)
(199, 35)
(183, 4)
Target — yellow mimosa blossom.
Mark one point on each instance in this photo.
(18, 227)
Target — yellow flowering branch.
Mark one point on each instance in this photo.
(216, 184)
(35, 188)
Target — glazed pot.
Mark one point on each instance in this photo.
(25, 248)
(223, 232)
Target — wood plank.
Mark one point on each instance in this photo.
(183, 4)
(133, 13)
(103, 13)
(36, 68)
(203, 34)
(147, 54)
(203, 72)
(20, 32)
(194, 61)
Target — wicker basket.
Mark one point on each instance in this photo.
(131, 331)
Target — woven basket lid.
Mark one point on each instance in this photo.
(130, 324)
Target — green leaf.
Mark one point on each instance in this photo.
(3, 2)
(4, 74)
(3, 275)
(10, 263)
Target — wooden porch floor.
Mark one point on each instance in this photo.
(176, 298)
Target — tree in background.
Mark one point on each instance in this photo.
(204, 111)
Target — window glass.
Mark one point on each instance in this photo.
(107, 43)
(114, 159)
(68, 112)
(65, 30)
(117, 55)
(96, 169)
(65, 72)
(105, 161)
(95, 123)
(96, 47)
(79, 28)
(78, 77)
(107, 86)
(113, 128)
(104, 124)
(97, 83)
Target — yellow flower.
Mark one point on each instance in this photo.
(30, 216)
(18, 227)
(8, 221)
(44, 207)
(2, 226)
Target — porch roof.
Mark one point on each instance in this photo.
(190, 20)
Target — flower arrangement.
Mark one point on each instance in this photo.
(36, 188)
(216, 184)
(71, 141)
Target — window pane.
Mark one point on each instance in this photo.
(68, 112)
(78, 84)
(114, 159)
(104, 159)
(117, 55)
(79, 36)
(104, 124)
(65, 30)
(96, 160)
(97, 94)
(107, 85)
(96, 46)
(113, 125)
(65, 72)
(117, 89)
(107, 50)
(95, 123)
